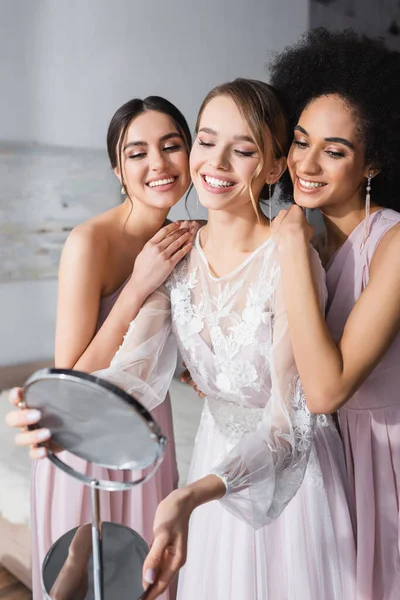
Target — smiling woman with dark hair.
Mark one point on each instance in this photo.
(343, 96)
(109, 266)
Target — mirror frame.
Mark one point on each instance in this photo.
(155, 433)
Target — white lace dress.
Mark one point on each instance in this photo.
(283, 530)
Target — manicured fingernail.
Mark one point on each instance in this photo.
(150, 576)
(43, 434)
(41, 452)
(32, 416)
(14, 395)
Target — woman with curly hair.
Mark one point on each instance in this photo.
(343, 96)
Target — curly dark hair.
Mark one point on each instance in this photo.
(366, 74)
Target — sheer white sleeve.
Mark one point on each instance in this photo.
(265, 468)
(145, 362)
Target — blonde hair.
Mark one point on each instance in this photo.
(260, 106)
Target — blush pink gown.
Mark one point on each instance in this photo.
(370, 424)
(59, 502)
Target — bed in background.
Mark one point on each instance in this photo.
(15, 471)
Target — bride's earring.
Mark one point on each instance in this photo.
(367, 211)
(270, 202)
(123, 192)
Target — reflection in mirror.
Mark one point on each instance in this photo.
(68, 567)
(72, 580)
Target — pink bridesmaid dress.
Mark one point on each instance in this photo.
(59, 502)
(370, 423)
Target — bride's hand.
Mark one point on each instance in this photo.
(168, 550)
(23, 418)
(170, 532)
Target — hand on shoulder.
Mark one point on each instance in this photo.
(160, 255)
(291, 227)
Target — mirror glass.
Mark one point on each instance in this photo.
(68, 567)
(94, 419)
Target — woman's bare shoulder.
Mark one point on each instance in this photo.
(90, 243)
(387, 251)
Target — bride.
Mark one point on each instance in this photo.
(281, 529)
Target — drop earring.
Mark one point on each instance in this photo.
(270, 202)
(123, 192)
(367, 211)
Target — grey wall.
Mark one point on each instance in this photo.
(377, 18)
(66, 65)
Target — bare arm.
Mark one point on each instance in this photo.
(81, 280)
(170, 532)
(331, 373)
(80, 283)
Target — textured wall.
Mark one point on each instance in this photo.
(45, 191)
(65, 66)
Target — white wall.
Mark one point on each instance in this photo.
(28, 311)
(66, 66)
(69, 64)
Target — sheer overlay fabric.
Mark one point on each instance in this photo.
(233, 335)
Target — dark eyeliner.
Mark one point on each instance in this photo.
(248, 154)
(173, 148)
(299, 143)
(335, 154)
